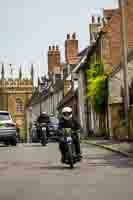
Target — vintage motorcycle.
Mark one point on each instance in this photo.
(41, 133)
(69, 147)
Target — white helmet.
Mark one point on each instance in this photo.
(67, 113)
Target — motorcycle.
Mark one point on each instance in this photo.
(44, 137)
(70, 153)
(42, 134)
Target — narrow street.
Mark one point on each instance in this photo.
(35, 172)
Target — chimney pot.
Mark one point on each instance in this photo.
(68, 36)
(49, 48)
(99, 19)
(74, 36)
(57, 47)
(53, 47)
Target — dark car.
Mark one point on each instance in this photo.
(52, 127)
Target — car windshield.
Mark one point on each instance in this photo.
(4, 116)
(54, 120)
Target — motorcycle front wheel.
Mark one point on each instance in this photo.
(43, 141)
(70, 154)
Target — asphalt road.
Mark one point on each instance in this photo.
(32, 172)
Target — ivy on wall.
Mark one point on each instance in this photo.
(97, 87)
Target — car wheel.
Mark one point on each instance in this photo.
(13, 141)
(6, 143)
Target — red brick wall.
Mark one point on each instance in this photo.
(111, 43)
(112, 38)
(130, 23)
(115, 36)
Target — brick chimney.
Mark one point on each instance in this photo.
(54, 59)
(94, 28)
(71, 49)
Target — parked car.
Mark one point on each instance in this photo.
(52, 127)
(8, 133)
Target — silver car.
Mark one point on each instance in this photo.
(8, 134)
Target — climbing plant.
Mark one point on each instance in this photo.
(97, 87)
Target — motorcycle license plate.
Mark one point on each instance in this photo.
(69, 139)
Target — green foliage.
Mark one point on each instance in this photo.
(97, 87)
(23, 134)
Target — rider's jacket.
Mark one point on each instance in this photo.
(71, 123)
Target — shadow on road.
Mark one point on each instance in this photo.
(34, 145)
(38, 144)
(53, 167)
(110, 159)
(2, 146)
(58, 167)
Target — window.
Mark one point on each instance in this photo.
(4, 116)
(19, 105)
(131, 93)
(57, 77)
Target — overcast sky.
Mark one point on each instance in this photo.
(28, 27)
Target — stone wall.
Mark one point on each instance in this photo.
(10, 91)
(117, 128)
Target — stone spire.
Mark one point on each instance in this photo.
(32, 72)
(20, 73)
(2, 72)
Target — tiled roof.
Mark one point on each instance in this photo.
(83, 52)
(67, 98)
(36, 95)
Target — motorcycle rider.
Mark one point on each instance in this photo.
(40, 123)
(67, 121)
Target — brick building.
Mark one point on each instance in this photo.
(57, 73)
(105, 45)
(64, 69)
(111, 39)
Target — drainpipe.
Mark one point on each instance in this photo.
(108, 130)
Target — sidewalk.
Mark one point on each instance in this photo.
(124, 148)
